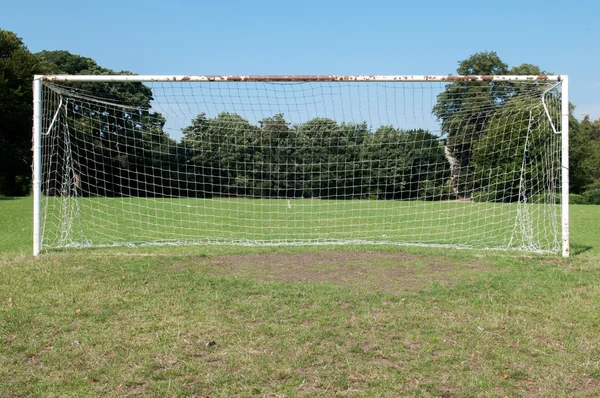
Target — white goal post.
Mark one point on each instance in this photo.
(450, 161)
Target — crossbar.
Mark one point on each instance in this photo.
(294, 78)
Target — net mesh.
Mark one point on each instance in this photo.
(462, 164)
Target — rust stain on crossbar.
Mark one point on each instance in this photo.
(336, 78)
(484, 78)
(295, 78)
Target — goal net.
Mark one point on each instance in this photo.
(438, 161)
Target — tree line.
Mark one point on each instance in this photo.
(318, 158)
(228, 156)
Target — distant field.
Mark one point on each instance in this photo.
(357, 320)
(121, 221)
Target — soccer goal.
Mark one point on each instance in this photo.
(452, 161)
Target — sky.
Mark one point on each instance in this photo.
(397, 37)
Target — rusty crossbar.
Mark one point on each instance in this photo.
(296, 78)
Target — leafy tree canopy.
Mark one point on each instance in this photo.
(63, 62)
(467, 109)
(17, 67)
(584, 154)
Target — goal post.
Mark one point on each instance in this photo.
(37, 165)
(565, 234)
(450, 161)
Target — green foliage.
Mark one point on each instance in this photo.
(575, 199)
(498, 144)
(17, 67)
(379, 155)
(397, 164)
(433, 190)
(592, 197)
(316, 159)
(272, 149)
(128, 93)
(522, 141)
(593, 185)
(584, 154)
(322, 158)
(486, 196)
(127, 140)
(429, 167)
(213, 148)
(547, 198)
(479, 118)
(527, 69)
(483, 63)
(328, 158)
(60, 61)
(479, 100)
(319, 158)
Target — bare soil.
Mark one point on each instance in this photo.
(364, 271)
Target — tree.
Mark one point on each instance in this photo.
(125, 151)
(221, 154)
(483, 63)
(17, 67)
(386, 163)
(404, 164)
(466, 108)
(127, 93)
(313, 152)
(511, 158)
(584, 154)
(328, 158)
(275, 166)
(429, 167)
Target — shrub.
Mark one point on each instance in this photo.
(428, 190)
(485, 196)
(548, 198)
(590, 187)
(592, 197)
(575, 199)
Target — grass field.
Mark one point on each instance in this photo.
(139, 221)
(298, 321)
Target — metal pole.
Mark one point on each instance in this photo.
(37, 164)
(565, 166)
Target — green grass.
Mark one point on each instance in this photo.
(327, 321)
(125, 221)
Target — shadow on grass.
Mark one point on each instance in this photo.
(11, 197)
(579, 249)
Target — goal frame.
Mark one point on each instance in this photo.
(37, 118)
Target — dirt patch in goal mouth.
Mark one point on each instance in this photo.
(363, 271)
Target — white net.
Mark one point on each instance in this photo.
(460, 164)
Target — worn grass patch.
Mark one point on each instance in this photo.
(363, 271)
(337, 321)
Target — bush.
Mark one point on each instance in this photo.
(547, 198)
(593, 186)
(485, 196)
(543, 198)
(428, 190)
(592, 197)
(575, 199)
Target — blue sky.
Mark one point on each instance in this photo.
(318, 37)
